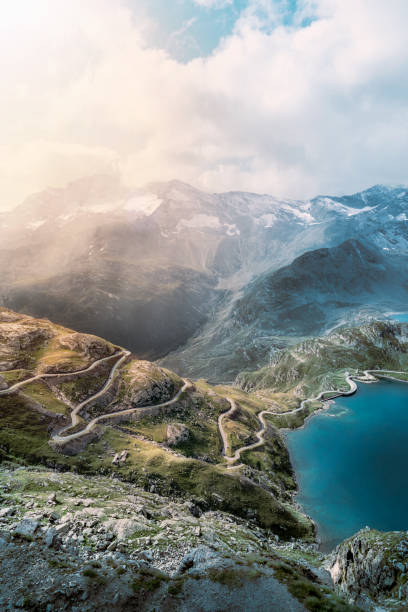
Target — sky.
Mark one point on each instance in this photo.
(289, 97)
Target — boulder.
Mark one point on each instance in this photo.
(50, 537)
(200, 559)
(177, 433)
(123, 528)
(7, 511)
(26, 528)
(120, 458)
(370, 567)
(52, 499)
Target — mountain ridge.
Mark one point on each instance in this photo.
(111, 248)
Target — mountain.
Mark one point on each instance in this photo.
(320, 290)
(115, 490)
(171, 271)
(147, 266)
(316, 364)
(134, 506)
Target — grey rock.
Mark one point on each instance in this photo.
(217, 498)
(177, 433)
(52, 499)
(50, 537)
(62, 528)
(26, 528)
(200, 558)
(8, 511)
(146, 555)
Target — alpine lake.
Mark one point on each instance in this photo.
(351, 463)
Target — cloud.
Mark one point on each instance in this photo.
(181, 39)
(213, 4)
(285, 109)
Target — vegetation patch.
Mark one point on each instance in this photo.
(148, 580)
(314, 598)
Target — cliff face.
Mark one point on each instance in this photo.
(371, 568)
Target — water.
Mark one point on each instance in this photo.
(402, 318)
(351, 463)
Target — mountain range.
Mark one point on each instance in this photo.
(210, 284)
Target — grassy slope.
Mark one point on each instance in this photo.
(25, 434)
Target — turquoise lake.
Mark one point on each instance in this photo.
(402, 318)
(351, 463)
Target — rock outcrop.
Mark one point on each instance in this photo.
(371, 568)
(147, 384)
(91, 346)
(177, 433)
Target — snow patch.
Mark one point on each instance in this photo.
(306, 217)
(268, 220)
(348, 211)
(356, 211)
(199, 221)
(301, 213)
(144, 205)
(66, 217)
(103, 207)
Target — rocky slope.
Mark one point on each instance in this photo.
(347, 282)
(321, 289)
(371, 569)
(85, 544)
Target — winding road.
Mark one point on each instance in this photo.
(366, 378)
(77, 409)
(60, 438)
(239, 451)
(222, 416)
(27, 381)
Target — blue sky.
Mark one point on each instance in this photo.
(189, 29)
(186, 29)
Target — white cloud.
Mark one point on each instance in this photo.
(217, 4)
(287, 110)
